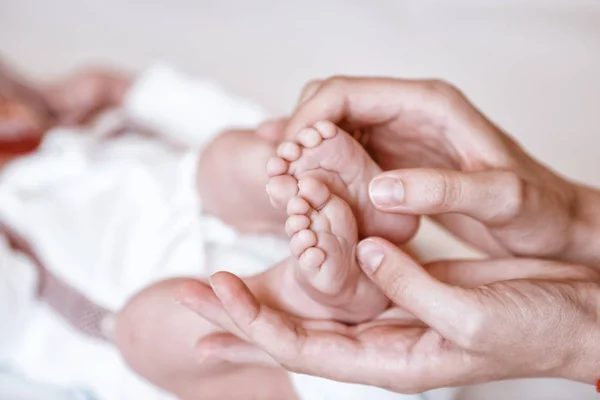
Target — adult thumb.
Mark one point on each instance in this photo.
(488, 196)
(408, 285)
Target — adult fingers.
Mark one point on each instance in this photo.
(408, 285)
(369, 101)
(272, 130)
(327, 351)
(493, 197)
(228, 346)
(200, 298)
(231, 348)
(309, 90)
(473, 273)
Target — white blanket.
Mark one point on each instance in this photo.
(109, 217)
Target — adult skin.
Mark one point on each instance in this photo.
(495, 319)
(509, 318)
(456, 166)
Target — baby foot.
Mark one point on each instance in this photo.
(334, 157)
(323, 241)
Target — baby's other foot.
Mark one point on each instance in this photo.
(323, 241)
(334, 157)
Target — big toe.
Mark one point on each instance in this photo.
(314, 191)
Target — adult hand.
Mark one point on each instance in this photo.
(541, 322)
(465, 170)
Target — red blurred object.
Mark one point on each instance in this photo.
(14, 147)
(22, 128)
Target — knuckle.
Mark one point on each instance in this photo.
(444, 190)
(310, 88)
(439, 85)
(395, 285)
(444, 92)
(514, 189)
(336, 80)
(313, 83)
(473, 334)
(336, 84)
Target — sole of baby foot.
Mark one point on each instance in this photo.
(331, 155)
(324, 236)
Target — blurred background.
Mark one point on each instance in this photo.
(533, 66)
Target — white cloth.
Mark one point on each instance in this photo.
(109, 217)
(18, 283)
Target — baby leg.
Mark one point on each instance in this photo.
(156, 337)
(231, 182)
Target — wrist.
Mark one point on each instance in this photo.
(583, 344)
(584, 241)
(585, 365)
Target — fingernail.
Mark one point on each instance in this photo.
(370, 255)
(213, 286)
(210, 282)
(386, 192)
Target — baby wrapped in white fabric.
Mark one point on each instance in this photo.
(109, 216)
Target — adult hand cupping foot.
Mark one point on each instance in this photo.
(464, 170)
(512, 318)
(482, 320)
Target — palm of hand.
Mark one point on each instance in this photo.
(400, 353)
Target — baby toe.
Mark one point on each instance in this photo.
(298, 206)
(315, 192)
(309, 137)
(326, 129)
(302, 241)
(310, 261)
(296, 223)
(289, 151)
(276, 166)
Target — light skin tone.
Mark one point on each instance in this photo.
(328, 284)
(27, 111)
(476, 181)
(568, 294)
(317, 296)
(457, 166)
(152, 317)
(481, 333)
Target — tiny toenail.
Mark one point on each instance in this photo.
(327, 129)
(386, 192)
(370, 255)
(276, 165)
